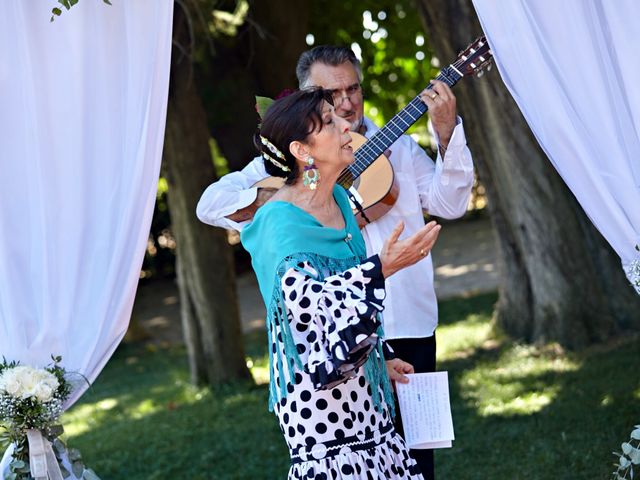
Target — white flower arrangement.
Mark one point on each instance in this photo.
(31, 402)
(24, 382)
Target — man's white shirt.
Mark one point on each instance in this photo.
(442, 189)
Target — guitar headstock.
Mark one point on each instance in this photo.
(474, 59)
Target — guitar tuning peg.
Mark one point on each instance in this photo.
(489, 67)
(480, 73)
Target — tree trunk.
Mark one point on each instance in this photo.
(560, 281)
(259, 60)
(205, 271)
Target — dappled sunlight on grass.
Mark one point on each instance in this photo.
(521, 405)
(81, 417)
(150, 411)
(521, 409)
(457, 339)
(519, 381)
(503, 379)
(134, 388)
(87, 415)
(143, 409)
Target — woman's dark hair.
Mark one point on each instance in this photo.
(288, 119)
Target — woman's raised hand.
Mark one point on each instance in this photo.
(397, 254)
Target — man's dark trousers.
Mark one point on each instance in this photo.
(421, 353)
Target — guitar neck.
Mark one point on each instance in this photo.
(398, 125)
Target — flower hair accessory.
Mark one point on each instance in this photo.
(275, 151)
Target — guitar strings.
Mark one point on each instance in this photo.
(375, 145)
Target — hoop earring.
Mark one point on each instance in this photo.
(311, 175)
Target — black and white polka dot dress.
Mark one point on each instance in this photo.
(328, 416)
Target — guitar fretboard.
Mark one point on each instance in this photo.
(400, 123)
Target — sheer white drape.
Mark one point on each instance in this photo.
(82, 114)
(573, 69)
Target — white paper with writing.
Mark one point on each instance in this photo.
(426, 410)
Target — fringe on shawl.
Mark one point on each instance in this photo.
(375, 370)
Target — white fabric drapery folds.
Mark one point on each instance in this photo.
(83, 108)
(572, 68)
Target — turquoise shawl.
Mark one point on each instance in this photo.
(282, 235)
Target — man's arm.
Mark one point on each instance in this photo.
(232, 201)
(245, 214)
(445, 187)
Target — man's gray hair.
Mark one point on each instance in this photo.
(329, 55)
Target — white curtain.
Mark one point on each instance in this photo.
(82, 113)
(572, 67)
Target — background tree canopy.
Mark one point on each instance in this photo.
(389, 39)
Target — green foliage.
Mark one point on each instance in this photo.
(159, 258)
(396, 62)
(64, 387)
(219, 161)
(224, 22)
(5, 364)
(56, 12)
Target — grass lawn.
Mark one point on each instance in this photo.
(519, 412)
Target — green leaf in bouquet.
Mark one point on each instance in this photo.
(18, 466)
(26, 471)
(77, 468)
(90, 475)
(74, 455)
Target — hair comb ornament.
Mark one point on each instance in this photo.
(273, 149)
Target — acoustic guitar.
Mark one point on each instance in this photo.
(370, 180)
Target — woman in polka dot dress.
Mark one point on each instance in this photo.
(330, 369)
